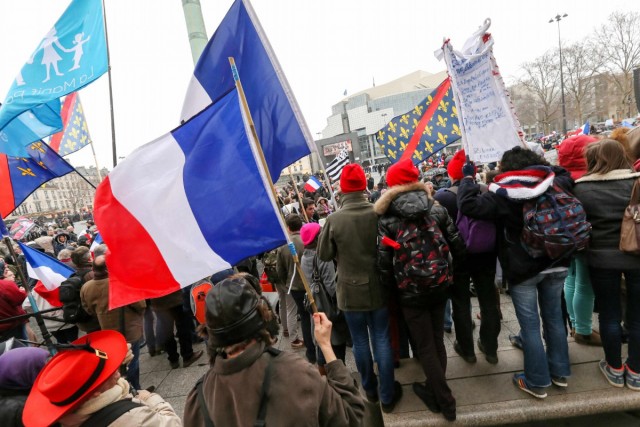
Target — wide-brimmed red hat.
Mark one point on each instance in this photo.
(73, 375)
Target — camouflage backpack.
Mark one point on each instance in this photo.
(421, 261)
(270, 262)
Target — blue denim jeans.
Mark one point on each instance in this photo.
(374, 324)
(606, 285)
(538, 365)
(448, 320)
(133, 370)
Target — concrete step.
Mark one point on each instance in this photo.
(485, 393)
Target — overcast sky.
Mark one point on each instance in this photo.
(324, 48)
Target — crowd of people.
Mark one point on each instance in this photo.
(384, 262)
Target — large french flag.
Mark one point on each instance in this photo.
(187, 205)
(281, 128)
(49, 272)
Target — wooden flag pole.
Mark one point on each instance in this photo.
(95, 159)
(300, 204)
(263, 161)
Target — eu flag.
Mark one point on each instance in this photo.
(423, 131)
(21, 176)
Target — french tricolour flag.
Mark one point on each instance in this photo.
(49, 272)
(312, 184)
(97, 241)
(187, 205)
(585, 129)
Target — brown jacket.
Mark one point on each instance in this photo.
(350, 236)
(95, 300)
(298, 395)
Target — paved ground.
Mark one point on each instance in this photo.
(484, 392)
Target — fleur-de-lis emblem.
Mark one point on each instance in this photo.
(443, 106)
(442, 121)
(418, 110)
(37, 146)
(26, 171)
(75, 132)
(392, 141)
(418, 155)
(79, 108)
(403, 146)
(404, 132)
(381, 135)
(454, 111)
(392, 127)
(442, 139)
(84, 126)
(76, 120)
(416, 122)
(429, 99)
(391, 153)
(70, 144)
(428, 147)
(405, 119)
(455, 130)
(427, 130)
(42, 165)
(83, 139)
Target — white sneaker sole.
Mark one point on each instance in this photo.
(609, 380)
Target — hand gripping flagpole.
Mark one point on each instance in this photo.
(39, 320)
(258, 149)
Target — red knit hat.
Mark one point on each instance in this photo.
(454, 169)
(403, 172)
(571, 154)
(352, 179)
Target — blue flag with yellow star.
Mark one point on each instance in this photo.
(21, 176)
(75, 133)
(423, 131)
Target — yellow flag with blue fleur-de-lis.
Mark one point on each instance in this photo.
(426, 129)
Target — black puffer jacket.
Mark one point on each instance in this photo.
(11, 406)
(410, 201)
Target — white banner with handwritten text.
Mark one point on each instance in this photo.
(488, 122)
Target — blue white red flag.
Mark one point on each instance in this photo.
(71, 55)
(97, 241)
(585, 129)
(75, 132)
(282, 131)
(21, 176)
(3, 229)
(312, 184)
(44, 268)
(202, 178)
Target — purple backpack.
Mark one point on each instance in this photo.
(479, 235)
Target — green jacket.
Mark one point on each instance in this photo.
(285, 265)
(350, 237)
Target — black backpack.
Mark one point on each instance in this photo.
(72, 311)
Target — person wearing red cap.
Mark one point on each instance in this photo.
(350, 236)
(82, 385)
(481, 267)
(407, 205)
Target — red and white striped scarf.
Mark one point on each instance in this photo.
(524, 184)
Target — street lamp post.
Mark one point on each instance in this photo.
(558, 18)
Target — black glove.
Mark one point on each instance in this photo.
(468, 169)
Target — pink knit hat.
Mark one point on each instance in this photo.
(308, 232)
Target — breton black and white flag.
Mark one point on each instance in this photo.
(334, 168)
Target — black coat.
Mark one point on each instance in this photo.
(517, 264)
(409, 201)
(11, 407)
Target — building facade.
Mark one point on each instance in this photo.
(67, 194)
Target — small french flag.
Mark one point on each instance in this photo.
(49, 272)
(585, 129)
(97, 241)
(312, 184)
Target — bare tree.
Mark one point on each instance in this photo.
(581, 67)
(542, 78)
(619, 45)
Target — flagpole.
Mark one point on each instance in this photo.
(300, 204)
(95, 159)
(43, 329)
(113, 123)
(258, 147)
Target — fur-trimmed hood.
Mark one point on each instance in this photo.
(614, 175)
(407, 200)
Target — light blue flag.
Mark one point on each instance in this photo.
(72, 54)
